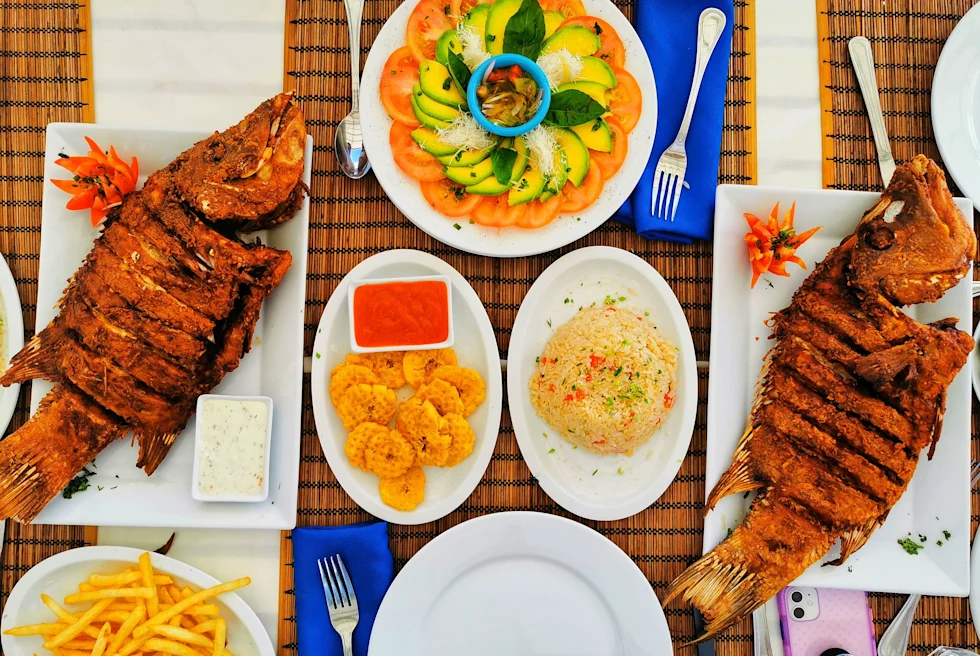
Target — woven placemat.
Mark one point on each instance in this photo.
(906, 39)
(353, 220)
(45, 76)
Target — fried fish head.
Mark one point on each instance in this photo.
(914, 244)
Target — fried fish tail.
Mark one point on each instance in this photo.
(38, 358)
(775, 544)
(38, 460)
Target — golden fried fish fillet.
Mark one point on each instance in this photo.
(849, 395)
(162, 308)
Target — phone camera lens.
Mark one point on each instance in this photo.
(797, 596)
(798, 613)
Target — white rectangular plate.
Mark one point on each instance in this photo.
(937, 499)
(273, 368)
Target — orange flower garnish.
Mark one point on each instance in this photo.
(99, 182)
(773, 243)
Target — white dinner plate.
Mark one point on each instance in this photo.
(507, 242)
(520, 583)
(975, 583)
(602, 487)
(119, 494)
(59, 576)
(975, 361)
(956, 104)
(11, 341)
(476, 348)
(938, 497)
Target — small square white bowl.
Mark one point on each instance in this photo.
(356, 348)
(242, 498)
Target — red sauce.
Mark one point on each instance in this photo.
(401, 313)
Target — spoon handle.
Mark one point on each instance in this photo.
(354, 9)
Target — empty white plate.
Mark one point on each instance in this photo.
(520, 583)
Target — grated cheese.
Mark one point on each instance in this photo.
(474, 51)
(466, 134)
(560, 66)
(543, 146)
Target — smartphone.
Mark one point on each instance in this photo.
(826, 622)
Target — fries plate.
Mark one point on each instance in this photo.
(60, 575)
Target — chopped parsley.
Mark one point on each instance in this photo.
(551, 451)
(595, 471)
(78, 484)
(457, 226)
(947, 534)
(549, 323)
(619, 471)
(911, 547)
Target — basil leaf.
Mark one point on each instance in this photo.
(503, 160)
(460, 71)
(524, 32)
(572, 107)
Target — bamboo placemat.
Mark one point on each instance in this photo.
(906, 38)
(44, 76)
(354, 219)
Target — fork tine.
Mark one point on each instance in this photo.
(347, 581)
(338, 600)
(655, 187)
(327, 591)
(661, 192)
(678, 188)
(342, 592)
(666, 196)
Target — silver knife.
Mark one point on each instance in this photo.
(864, 67)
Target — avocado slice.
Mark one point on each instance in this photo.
(576, 39)
(429, 141)
(464, 158)
(437, 84)
(428, 121)
(448, 42)
(557, 179)
(552, 19)
(598, 71)
(500, 13)
(476, 19)
(576, 155)
(433, 108)
(593, 89)
(493, 187)
(529, 187)
(488, 187)
(470, 175)
(596, 135)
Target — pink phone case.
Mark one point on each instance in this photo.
(842, 620)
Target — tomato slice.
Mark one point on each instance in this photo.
(428, 21)
(609, 163)
(400, 74)
(611, 50)
(568, 8)
(538, 214)
(494, 212)
(459, 8)
(576, 199)
(449, 198)
(410, 158)
(626, 100)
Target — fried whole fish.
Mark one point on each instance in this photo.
(849, 395)
(161, 309)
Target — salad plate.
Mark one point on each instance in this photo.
(937, 501)
(600, 486)
(475, 347)
(464, 232)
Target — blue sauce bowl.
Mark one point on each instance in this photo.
(504, 61)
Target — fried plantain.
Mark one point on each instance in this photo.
(472, 390)
(462, 437)
(420, 422)
(386, 365)
(404, 492)
(389, 454)
(357, 441)
(363, 402)
(443, 396)
(419, 365)
(345, 375)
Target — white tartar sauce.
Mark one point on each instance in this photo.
(232, 447)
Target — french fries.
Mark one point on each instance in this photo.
(134, 613)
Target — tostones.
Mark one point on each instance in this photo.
(420, 422)
(389, 454)
(443, 396)
(404, 492)
(358, 439)
(345, 375)
(462, 439)
(419, 365)
(362, 402)
(386, 365)
(472, 390)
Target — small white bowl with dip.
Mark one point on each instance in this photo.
(231, 448)
(438, 307)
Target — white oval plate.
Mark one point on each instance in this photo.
(508, 242)
(588, 484)
(12, 341)
(956, 105)
(60, 575)
(975, 582)
(476, 348)
(520, 583)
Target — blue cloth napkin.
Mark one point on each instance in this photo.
(668, 30)
(364, 548)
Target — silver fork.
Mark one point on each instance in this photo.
(341, 600)
(668, 178)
